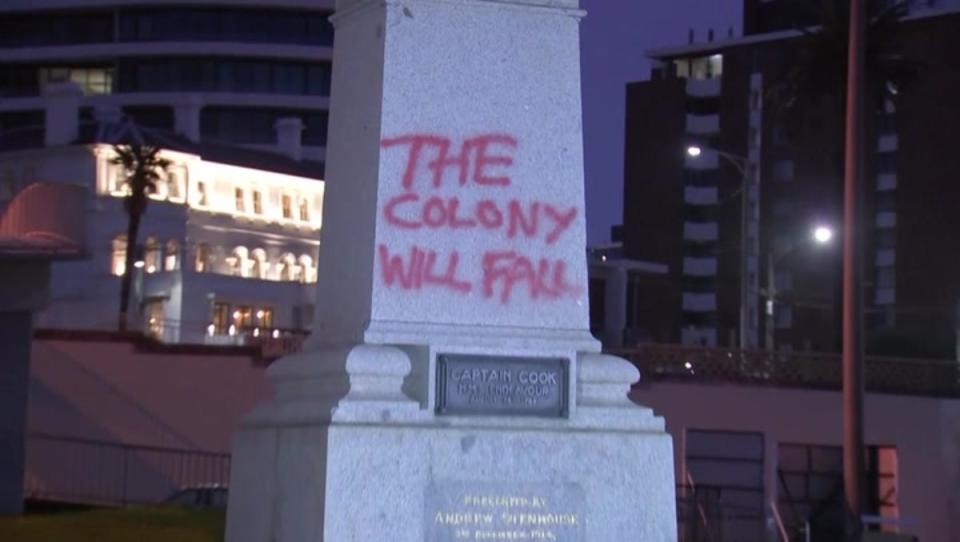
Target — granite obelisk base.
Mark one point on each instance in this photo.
(377, 467)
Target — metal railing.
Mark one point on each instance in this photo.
(938, 378)
(705, 515)
(86, 471)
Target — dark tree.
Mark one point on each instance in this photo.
(142, 169)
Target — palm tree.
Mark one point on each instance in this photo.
(142, 169)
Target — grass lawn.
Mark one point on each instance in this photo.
(167, 524)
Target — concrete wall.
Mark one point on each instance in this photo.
(925, 432)
(110, 391)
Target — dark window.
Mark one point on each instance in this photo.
(14, 120)
(700, 319)
(158, 117)
(887, 162)
(239, 25)
(256, 126)
(701, 213)
(223, 75)
(703, 105)
(19, 81)
(36, 30)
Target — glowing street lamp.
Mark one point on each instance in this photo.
(694, 151)
(822, 235)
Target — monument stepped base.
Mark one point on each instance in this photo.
(374, 465)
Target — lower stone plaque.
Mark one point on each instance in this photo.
(490, 385)
(465, 511)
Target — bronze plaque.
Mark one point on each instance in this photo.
(502, 386)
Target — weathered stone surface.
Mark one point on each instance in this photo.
(453, 226)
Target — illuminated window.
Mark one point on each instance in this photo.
(170, 255)
(243, 317)
(241, 202)
(153, 314)
(706, 67)
(221, 318)
(287, 206)
(118, 260)
(257, 202)
(265, 317)
(90, 80)
(151, 255)
(201, 262)
(304, 211)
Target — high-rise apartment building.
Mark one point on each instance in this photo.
(725, 187)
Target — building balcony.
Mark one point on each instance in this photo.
(886, 181)
(888, 143)
(885, 296)
(701, 195)
(700, 267)
(701, 231)
(697, 302)
(703, 124)
(704, 88)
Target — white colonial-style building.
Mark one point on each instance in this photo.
(228, 246)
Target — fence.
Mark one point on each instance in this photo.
(938, 378)
(96, 472)
(705, 514)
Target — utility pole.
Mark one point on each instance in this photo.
(853, 475)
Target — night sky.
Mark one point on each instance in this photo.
(614, 38)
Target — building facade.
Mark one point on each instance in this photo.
(215, 71)
(734, 220)
(229, 242)
(228, 245)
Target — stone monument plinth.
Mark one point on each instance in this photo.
(451, 389)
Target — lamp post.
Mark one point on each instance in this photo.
(853, 475)
(739, 162)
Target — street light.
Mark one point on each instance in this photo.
(820, 236)
(741, 163)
